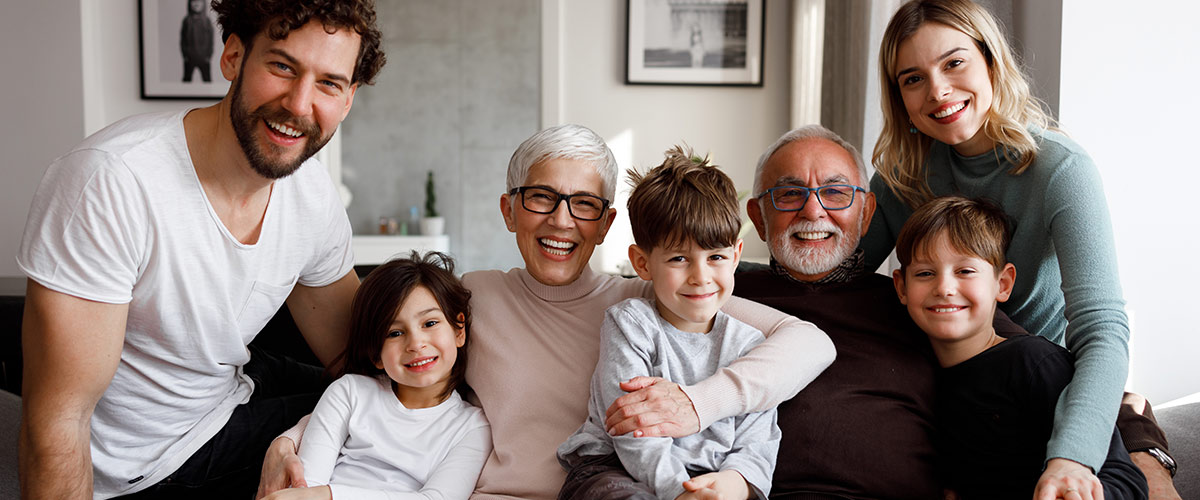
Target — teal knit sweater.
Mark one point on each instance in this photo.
(1067, 287)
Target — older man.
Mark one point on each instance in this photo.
(863, 428)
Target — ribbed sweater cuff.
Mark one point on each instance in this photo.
(297, 431)
(715, 398)
(1140, 431)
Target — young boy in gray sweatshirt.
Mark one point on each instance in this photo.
(685, 220)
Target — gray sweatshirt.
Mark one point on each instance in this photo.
(635, 341)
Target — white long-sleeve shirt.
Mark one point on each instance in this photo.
(366, 445)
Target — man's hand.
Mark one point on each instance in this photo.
(314, 493)
(1069, 480)
(1162, 487)
(724, 485)
(281, 470)
(654, 407)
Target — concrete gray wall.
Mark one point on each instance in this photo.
(460, 91)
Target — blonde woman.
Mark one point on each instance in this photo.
(959, 119)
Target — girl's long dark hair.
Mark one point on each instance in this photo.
(379, 298)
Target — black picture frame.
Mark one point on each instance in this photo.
(165, 55)
(685, 42)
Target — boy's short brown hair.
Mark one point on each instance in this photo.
(684, 199)
(976, 227)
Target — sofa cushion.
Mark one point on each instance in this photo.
(1182, 426)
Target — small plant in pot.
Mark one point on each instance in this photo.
(432, 224)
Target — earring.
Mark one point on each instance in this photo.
(912, 129)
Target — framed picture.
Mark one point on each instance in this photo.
(694, 42)
(180, 47)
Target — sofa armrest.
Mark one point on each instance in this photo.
(1182, 426)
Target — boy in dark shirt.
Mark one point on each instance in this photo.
(996, 395)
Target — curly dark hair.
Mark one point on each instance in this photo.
(248, 18)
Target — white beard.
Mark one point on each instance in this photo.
(811, 261)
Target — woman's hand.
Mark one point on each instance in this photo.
(281, 469)
(1069, 480)
(314, 493)
(724, 485)
(654, 407)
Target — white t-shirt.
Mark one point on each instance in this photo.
(366, 445)
(122, 218)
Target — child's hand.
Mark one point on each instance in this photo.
(313, 493)
(1069, 480)
(724, 485)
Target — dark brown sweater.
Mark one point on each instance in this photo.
(864, 427)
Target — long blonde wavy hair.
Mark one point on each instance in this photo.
(900, 155)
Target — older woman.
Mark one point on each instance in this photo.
(536, 330)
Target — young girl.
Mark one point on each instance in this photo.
(959, 119)
(393, 423)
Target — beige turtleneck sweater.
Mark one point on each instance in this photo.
(533, 348)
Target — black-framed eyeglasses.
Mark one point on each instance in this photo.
(543, 200)
(793, 198)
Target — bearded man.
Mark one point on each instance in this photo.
(159, 247)
(864, 427)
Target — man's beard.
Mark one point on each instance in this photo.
(812, 261)
(244, 122)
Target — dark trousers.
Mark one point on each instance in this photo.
(603, 478)
(228, 465)
(205, 68)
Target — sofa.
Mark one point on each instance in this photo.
(279, 336)
(1181, 422)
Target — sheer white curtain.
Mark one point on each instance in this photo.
(835, 51)
(808, 43)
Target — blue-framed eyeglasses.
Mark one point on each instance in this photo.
(543, 200)
(793, 198)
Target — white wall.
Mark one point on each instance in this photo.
(111, 73)
(40, 51)
(74, 66)
(735, 124)
(1128, 95)
(79, 72)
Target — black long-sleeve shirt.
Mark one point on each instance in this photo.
(995, 413)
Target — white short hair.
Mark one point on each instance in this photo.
(810, 132)
(570, 141)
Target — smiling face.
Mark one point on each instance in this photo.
(952, 296)
(289, 95)
(690, 283)
(946, 86)
(556, 246)
(419, 350)
(812, 241)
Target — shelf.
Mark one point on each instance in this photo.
(375, 249)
